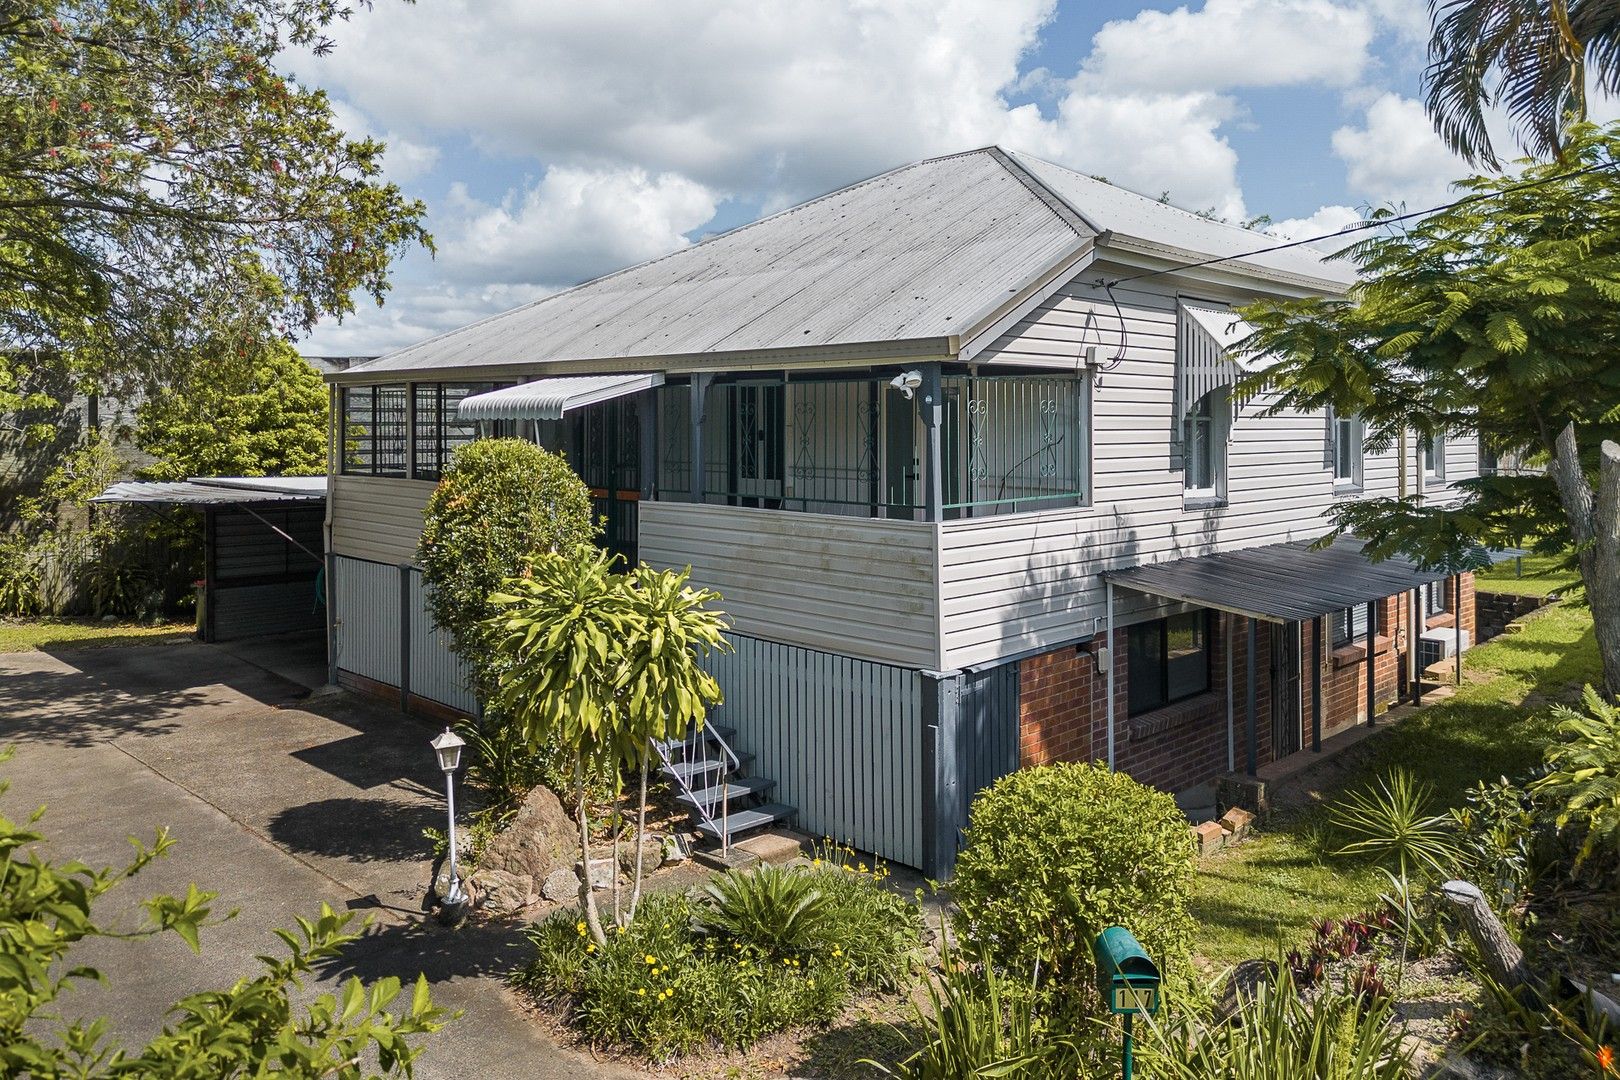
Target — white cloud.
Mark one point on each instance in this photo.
(640, 116)
(574, 224)
(1234, 43)
(404, 160)
(1396, 157)
(1326, 220)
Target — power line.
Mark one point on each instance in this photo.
(1364, 225)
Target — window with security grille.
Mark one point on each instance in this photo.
(375, 423)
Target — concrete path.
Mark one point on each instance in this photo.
(277, 802)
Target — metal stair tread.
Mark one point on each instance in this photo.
(739, 788)
(686, 771)
(739, 821)
(697, 737)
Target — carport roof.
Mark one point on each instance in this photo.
(1290, 582)
(217, 491)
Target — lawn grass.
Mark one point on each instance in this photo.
(34, 635)
(1268, 891)
(1534, 575)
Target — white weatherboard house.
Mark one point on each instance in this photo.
(957, 446)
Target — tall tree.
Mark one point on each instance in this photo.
(1497, 316)
(1531, 58)
(165, 187)
(269, 420)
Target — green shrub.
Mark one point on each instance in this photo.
(1281, 1034)
(778, 910)
(1057, 853)
(499, 502)
(1584, 773)
(501, 765)
(835, 909)
(977, 1025)
(19, 578)
(662, 990)
(674, 980)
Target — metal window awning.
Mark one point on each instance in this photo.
(1204, 358)
(549, 399)
(1280, 583)
(216, 491)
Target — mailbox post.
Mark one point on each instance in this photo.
(1127, 979)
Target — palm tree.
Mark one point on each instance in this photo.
(1529, 57)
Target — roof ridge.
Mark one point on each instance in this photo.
(1145, 198)
(784, 212)
(1070, 213)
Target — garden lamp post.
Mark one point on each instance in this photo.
(447, 748)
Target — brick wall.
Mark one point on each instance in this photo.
(1063, 716)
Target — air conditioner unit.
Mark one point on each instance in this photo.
(1439, 644)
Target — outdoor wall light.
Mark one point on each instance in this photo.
(447, 748)
(907, 382)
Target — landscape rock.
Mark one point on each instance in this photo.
(540, 838)
(1242, 984)
(652, 855)
(603, 872)
(1208, 838)
(503, 893)
(561, 884)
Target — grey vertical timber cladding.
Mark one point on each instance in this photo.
(365, 614)
(436, 672)
(987, 747)
(841, 737)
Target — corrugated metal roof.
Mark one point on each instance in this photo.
(1177, 233)
(919, 255)
(549, 399)
(1279, 582)
(217, 491)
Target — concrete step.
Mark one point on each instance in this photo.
(741, 821)
(696, 774)
(737, 790)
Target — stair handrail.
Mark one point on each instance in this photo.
(698, 754)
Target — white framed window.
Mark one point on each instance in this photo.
(1434, 457)
(1346, 451)
(1204, 449)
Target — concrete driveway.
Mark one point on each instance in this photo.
(278, 801)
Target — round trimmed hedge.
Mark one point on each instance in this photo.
(1057, 853)
(499, 501)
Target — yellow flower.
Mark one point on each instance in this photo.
(838, 952)
(591, 947)
(621, 930)
(786, 961)
(641, 991)
(795, 963)
(848, 869)
(580, 926)
(652, 960)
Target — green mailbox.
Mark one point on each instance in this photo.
(1126, 977)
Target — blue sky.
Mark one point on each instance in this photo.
(554, 141)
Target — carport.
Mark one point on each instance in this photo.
(263, 553)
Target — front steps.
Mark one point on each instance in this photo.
(709, 777)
